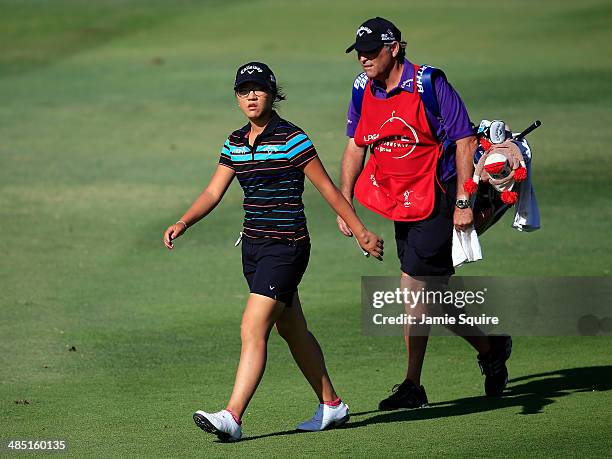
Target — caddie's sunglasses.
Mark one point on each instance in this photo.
(370, 55)
(244, 91)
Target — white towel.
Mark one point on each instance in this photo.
(466, 247)
(527, 214)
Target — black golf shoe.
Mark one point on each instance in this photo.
(493, 364)
(404, 395)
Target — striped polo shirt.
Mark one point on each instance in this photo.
(271, 177)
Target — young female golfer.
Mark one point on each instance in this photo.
(270, 157)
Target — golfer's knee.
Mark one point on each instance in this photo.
(252, 333)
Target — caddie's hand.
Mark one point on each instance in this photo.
(463, 219)
(172, 233)
(371, 243)
(343, 227)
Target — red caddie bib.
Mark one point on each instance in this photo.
(399, 179)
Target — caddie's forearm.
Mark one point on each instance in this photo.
(464, 158)
(348, 177)
(352, 164)
(200, 208)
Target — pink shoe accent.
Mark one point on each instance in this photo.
(336, 402)
(236, 418)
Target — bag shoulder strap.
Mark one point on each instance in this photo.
(425, 85)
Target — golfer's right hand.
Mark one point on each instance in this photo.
(172, 233)
(343, 227)
(372, 243)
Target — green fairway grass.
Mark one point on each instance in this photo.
(112, 115)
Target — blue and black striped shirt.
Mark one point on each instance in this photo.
(270, 174)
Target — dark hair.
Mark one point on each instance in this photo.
(279, 96)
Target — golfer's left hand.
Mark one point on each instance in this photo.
(463, 219)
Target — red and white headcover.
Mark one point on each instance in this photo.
(501, 165)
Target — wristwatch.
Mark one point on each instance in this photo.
(463, 203)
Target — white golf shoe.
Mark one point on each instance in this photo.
(326, 417)
(222, 424)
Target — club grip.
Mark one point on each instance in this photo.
(536, 124)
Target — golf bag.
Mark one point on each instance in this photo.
(502, 166)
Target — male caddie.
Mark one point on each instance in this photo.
(412, 180)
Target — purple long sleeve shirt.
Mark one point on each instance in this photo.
(456, 121)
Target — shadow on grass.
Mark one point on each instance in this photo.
(531, 393)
